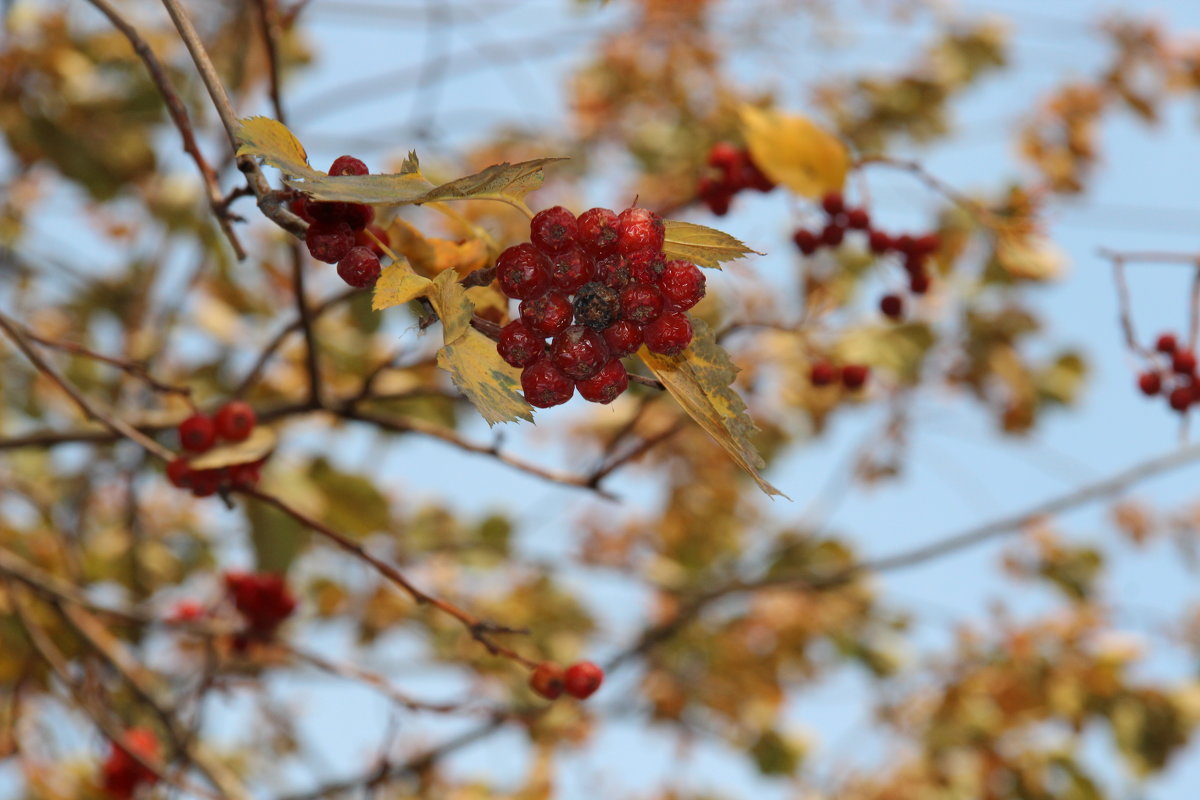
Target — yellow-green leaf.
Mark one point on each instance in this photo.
(900, 349)
(497, 182)
(397, 285)
(700, 379)
(794, 151)
(257, 445)
(704, 247)
(453, 307)
(273, 143)
(480, 374)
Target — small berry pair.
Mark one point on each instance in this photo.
(262, 598)
(1177, 379)
(851, 376)
(736, 171)
(580, 680)
(122, 773)
(599, 287)
(234, 422)
(342, 233)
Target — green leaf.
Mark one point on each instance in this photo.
(704, 247)
(700, 379)
(480, 374)
(277, 538)
(350, 503)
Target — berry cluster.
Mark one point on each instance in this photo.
(580, 680)
(736, 171)
(598, 287)
(1176, 379)
(262, 598)
(234, 422)
(851, 376)
(841, 219)
(121, 774)
(342, 233)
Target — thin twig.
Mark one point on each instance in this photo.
(133, 368)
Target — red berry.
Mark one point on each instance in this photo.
(833, 204)
(905, 244)
(358, 216)
(854, 376)
(359, 268)
(646, 266)
(263, 599)
(641, 303)
(1166, 343)
(597, 231)
(583, 679)
(523, 272)
(717, 195)
(571, 269)
(245, 474)
(723, 155)
(597, 306)
(322, 211)
(235, 420)
(639, 229)
(823, 373)
(892, 306)
(918, 282)
(682, 284)
(622, 338)
(914, 263)
(1180, 398)
(1183, 361)
(186, 611)
(122, 773)
(299, 207)
(806, 241)
(928, 244)
(1150, 383)
(606, 385)
(205, 482)
(348, 165)
(858, 219)
(754, 177)
(519, 346)
(669, 334)
(553, 230)
(329, 241)
(197, 433)
(179, 473)
(879, 242)
(614, 271)
(832, 234)
(544, 385)
(579, 352)
(547, 680)
(548, 314)
(375, 238)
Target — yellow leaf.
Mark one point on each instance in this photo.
(900, 349)
(453, 307)
(257, 445)
(704, 247)
(480, 374)
(412, 244)
(1029, 256)
(462, 257)
(497, 182)
(700, 379)
(398, 285)
(489, 299)
(794, 151)
(273, 143)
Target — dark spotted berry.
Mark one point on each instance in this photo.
(329, 241)
(548, 314)
(614, 271)
(545, 385)
(518, 345)
(641, 303)
(639, 229)
(553, 230)
(646, 266)
(197, 433)
(235, 421)
(579, 352)
(523, 272)
(205, 482)
(669, 334)
(597, 306)
(682, 284)
(547, 680)
(622, 338)
(179, 473)
(597, 231)
(606, 385)
(582, 680)
(571, 269)
(359, 268)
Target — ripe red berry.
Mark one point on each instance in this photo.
(614, 271)
(122, 773)
(639, 229)
(205, 482)
(329, 241)
(806, 241)
(682, 284)
(579, 352)
(717, 195)
(263, 599)
(669, 334)
(646, 266)
(879, 242)
(375, 238)
(547, 680)
(641, 303)
(299, 207)
(1166, 343)
(358, 216)
(359, 268)
(606, 385)
(823, 373)
(547, 315)
(571, 269)
(597, 231)
(904, 244)
(553, 230)
(1180, 398)
(918, 282)
(622, 338)
(321, 211)
(519, 346)
(832, 234)
(833, 203)
(753, 177)
(928, 244)
(1150, 383)
(197, 433)
(235, 420)
(582, 679)
(723, 155)
(597, 306)
(858, 219)
(179, 473)
(892, 306)
(854, 376)
(523, 272)
(1183, 361)
(245, 474)
(544, 385)
(348, 165)
(186, 611)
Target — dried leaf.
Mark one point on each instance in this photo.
(704, 247)
(398, 285)
(1032, 257)
(453, 307)
(794, 151)
(700, 380)
(256, 446)
(480, 374)
(497, 182)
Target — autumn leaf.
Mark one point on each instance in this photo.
(794, 151)
(397, 285)
(1029, 256)
(700, 379)
(483, 377)
(453, 307)
(704, 247)
(258, 445)
(508, 182)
